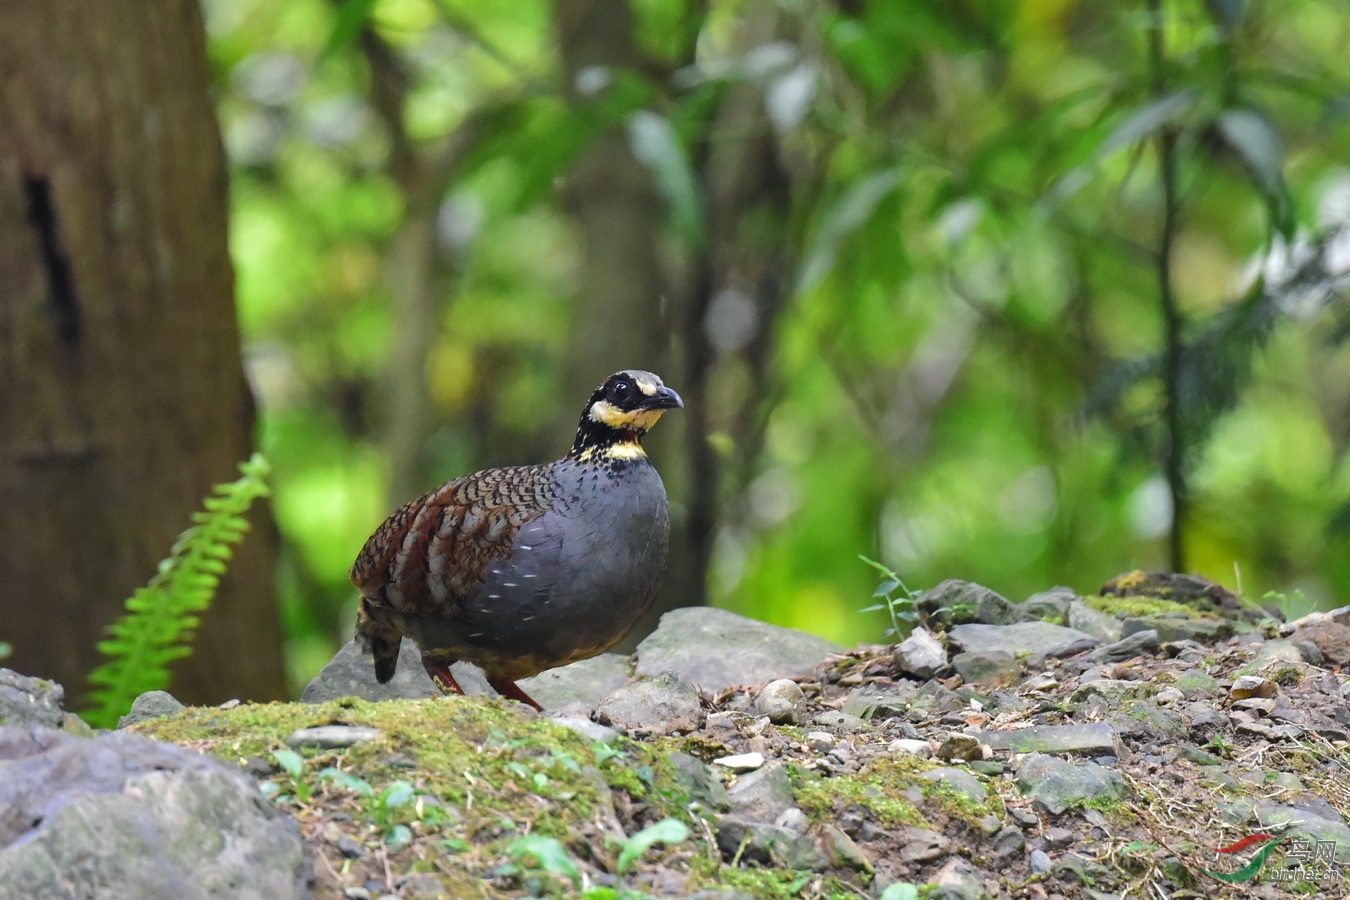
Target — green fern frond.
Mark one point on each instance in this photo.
(161, 618)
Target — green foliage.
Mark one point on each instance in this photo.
(900, 890)
(537, 853)
(161, 618)
(900, 603)
(5, 649)
(964, 373)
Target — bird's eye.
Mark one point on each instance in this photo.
(620, 392)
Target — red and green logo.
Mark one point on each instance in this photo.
(1264, 843)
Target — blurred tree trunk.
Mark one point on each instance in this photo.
(620, 320)
(124, 395)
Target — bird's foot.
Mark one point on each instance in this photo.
(440, 673)
(512, 691)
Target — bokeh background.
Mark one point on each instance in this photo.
(1021, 293)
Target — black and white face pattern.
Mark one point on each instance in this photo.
(621, 410)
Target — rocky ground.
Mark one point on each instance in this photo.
(1060, 747)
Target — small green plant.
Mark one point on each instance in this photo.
(293, 764)
(161, 618)
(399, 799)
(548, 855)
(900, 602)
(5, 649)
(900, 890)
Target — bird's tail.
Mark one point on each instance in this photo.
(379, 642)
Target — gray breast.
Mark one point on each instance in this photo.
(580, 576)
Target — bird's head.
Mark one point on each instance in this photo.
(622, 409)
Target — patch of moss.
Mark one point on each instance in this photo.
(880, 790)
(1117, 812)
(766, 882)
(482, 776)
(1142, 606)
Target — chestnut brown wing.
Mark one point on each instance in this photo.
(432, 555)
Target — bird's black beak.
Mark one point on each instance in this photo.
(664, 398)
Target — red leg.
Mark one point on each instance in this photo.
(512, 691)
(440, 673)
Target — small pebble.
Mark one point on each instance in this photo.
(741, 762)
(591, 731)
(783, 702)
(1170, 695)
(350, 847)
(1040, 862)
(820, 741)
(1248, 686)
(333, 737)
(921, 749)
(793, 819)
(230, 704)
(1059, 838)
(958, 746)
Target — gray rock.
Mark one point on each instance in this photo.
(953, 602)
(935, 696)
(921, 654)
(151, 705)
(1040, 862)
(768, 845)
(349, 674)
(783, 702)
(587, 681)
(1195, 683)
(1009, 842)
(1103, 626)
(988, 668)
(910, 747)
(716, 649)
(959, 780)
(28, 701)
(662, 705)
(762, 795)
(741, 762)
(1141, 643)
(922, 845)
(1178, 628)
(1056, 784)
(123, 816)
(1024, 638)
(843, 851)
(333, 737)
(1276, 653)
(958, 880)
(793, 819)
(839, 720)
(593, 731)
(1113, 690)
(1144, 718)
(873, 701)
(698, 782)
(1048, 606)
(1088, 739)
(1058, 838)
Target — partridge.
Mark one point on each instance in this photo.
(526, 568)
